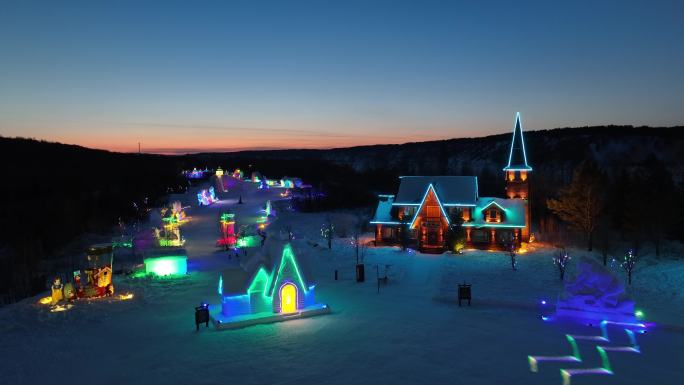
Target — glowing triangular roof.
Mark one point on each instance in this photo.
(422, 202)
(517, 157)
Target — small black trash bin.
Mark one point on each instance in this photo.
(360, 273)
(202, 315)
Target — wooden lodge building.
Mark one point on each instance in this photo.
(425, 207)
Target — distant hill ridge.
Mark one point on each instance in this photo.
(551, 151)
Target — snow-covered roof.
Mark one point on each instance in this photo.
(269, 257)
(451, 190)
(513, 212)
(236, 281)
(302, 266)
(382, 212)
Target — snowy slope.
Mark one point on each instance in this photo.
(412, 332)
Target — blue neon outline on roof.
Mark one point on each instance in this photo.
(522, 139)
(460, 204)
(430, 186)
(385, 223)
(405, 204)
(493, 225)
(491, 203)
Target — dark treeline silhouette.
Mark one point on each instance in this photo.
(52, 193)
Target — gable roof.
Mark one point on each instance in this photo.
(450, 190)
(513, 209)
(302, 274)
(517, 157)
(269, 259)
(429, 189)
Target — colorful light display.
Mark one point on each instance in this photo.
(166, 265)
(249, 241)
(602, 346)
(170, 236)
(206, 196)
(194, 174)
(268, 294)
(228, 236)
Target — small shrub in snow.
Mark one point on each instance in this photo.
(561, 260)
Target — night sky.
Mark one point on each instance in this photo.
(225, 75)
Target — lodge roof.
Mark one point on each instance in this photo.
(451, 190)
(513, 210)
(383, 211)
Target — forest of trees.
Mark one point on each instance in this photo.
(53, 193)
(637, 207)
(627, 182)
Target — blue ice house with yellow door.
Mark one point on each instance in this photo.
(274, 286)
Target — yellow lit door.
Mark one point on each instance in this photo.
(288, 298)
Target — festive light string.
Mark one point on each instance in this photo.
(566, 374)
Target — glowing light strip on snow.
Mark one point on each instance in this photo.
(574, 357)
(605, 368)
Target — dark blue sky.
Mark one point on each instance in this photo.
(193, 75)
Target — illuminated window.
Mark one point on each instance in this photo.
(523, 175)
(433, 211)
(491, 215)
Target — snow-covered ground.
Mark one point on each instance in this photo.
(412, 332)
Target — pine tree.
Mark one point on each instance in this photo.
(580, 203)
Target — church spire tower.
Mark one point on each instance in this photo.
(517, 157)
(517, 173)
